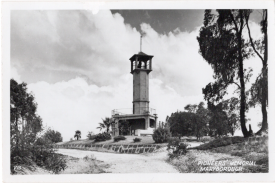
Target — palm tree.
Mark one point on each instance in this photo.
(106, 123)
(77, 134)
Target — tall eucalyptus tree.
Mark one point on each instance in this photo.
(222, 45)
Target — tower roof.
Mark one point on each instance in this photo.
(141, 56)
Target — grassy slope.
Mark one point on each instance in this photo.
(129, 140)
(88, 165)
(225, 141)
(36, 170)
(82, 142)
(189, 163)
(256, 151)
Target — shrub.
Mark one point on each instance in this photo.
(21, 158)
(161, 135)
(137, 139)
(41, 153)
(92, 137)
(102, 137)
(53, 136)
(118, 138)
(89, 158)
(176, 147)
(44, 155)
(55, 163)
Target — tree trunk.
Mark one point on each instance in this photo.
(232, 130)
(264, 99)
(241, 76)
(264, 103)
(17, 132)
(22, 136)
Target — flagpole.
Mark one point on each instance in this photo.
(140, 41)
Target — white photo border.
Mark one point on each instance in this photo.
(156, 177)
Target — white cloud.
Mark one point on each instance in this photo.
(14, 74)
(60, 45)
(177, 62)
(73, 105)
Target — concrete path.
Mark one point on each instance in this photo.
(128, 163)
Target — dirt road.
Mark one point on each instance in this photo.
(128, 163)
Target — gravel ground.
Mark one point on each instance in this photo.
(127, 163)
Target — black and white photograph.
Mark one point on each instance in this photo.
(101, 89)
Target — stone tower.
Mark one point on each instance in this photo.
(141, 66)
(141, 118)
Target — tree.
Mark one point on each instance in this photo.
(179, 123)
(193, 121)
(231, 107)
(259, 90)
(218, 123)
(53, 136)
(25, 124)
(77, 134)
(106, 123)
(223, 47)
(27, 148)
(200, 119)
(90, 135)
(233, 123)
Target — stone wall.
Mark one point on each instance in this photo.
(118, 148)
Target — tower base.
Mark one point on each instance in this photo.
(136, 124)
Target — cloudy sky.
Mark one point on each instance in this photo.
(76, 63)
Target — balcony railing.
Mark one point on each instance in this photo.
(139, 110)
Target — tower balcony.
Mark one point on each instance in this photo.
(129, 111)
